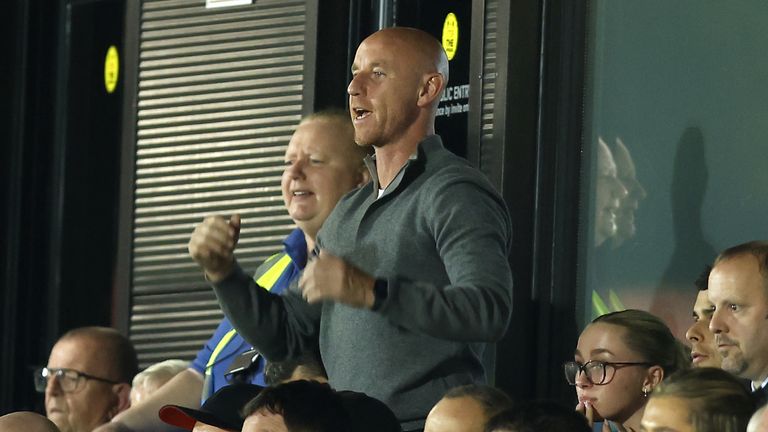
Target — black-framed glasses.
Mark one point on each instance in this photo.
(596, 371)
(69, 380)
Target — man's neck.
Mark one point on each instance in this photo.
(389, 161)
(392, 156)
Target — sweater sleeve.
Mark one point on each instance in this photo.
(472, 234)
(280, 327)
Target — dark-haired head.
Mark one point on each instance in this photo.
(538, 416)
(302, 406)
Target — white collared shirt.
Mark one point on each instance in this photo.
(752, 384)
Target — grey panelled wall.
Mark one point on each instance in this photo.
(219, 92)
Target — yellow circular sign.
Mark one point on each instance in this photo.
(111, 67)
(450, 35)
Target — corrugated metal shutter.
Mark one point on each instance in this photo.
(220, 91)
(488, 158)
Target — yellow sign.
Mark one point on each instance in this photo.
(111, 67)
(450, 35)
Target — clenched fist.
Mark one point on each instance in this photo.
(213, 245)
(328, 277)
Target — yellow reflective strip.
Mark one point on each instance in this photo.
(268, 279)
(270, 260)
(220, 346)
(616, 303)
(598, 305)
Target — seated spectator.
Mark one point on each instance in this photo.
(296, 406)
(153, 377)
(466, 409)
(619, 359)
(87, 380)
(307, 366)
(537, 417)
(219, 413)
(303, 406)
(700, 400)
(25, 421)
(703, 348)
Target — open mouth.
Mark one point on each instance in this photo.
(301, 193)
(361, 113)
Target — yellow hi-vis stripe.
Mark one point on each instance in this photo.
(220, 346)
(268, 279)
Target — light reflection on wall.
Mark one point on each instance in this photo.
(675, 103)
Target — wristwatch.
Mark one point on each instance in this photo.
(380, 292)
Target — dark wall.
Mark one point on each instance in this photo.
(30, 30)
(58, 185)
(87, 148)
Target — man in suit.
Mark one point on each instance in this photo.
(738, 288)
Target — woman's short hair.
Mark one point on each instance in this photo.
(717, 401)
(345, 129)
(648, 336)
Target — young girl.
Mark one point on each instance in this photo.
(619, 359)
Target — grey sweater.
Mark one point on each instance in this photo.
(439, 236)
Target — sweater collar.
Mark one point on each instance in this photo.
(427, 146)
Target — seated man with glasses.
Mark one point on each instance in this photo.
(87, 379)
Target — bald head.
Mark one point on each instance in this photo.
(420, 49)
(398, 76)
(25, 421)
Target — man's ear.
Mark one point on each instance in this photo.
(431, 89)
(122, 393)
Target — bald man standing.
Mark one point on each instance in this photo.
(411, 277)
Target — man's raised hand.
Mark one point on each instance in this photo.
(212, 245)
